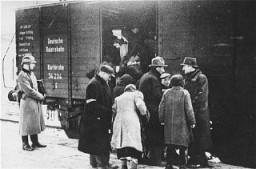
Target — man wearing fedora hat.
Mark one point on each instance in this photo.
(150, 86)
(197, 85)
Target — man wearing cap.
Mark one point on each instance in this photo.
(197, 85)
(31, 116)
(96, 119)
(165, 81)
(150, 86)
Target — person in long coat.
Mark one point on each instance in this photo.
(197, 85)
(126, 136)
(177, 115)
(96, 119)
(150, 86)
(31, 116)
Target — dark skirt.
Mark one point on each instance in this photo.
(128, 152)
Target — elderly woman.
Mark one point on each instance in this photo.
(126, 136)
(176, 112)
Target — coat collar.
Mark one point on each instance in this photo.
(193, 75)
(177, 87)
(155, 72)
(26, 71)
(100, 79)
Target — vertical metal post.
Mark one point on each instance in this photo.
(100, 32)
(41, 49)
(69, 56)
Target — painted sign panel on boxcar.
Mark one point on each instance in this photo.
(55, 50)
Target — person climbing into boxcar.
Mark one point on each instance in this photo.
(109, 49)
(136, 46)
(150, 86)
(132, 67)
(126, 138)
(96, 119)
(197, 85)
(177, 115)
(31, 114)
(121, 43)
(150, 48)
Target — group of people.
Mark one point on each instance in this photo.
(140, 117)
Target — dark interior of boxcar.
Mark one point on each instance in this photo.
(124, 16)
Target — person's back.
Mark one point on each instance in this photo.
(126, 138)
(177, 115)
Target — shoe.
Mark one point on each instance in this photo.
(27, 147)
(38, 145)
(168, 166)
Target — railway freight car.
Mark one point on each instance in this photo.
(69, 39)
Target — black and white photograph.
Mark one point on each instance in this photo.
(128, 84)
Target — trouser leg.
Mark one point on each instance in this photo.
(183, 159)
(93, 161)
(102, 160)
(124, 164)
(170, 150)
(155, 155)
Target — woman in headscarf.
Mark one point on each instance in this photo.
(121, 84)
(126, 136)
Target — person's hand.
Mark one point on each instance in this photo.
(193, 126)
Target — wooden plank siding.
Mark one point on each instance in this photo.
(85, 44)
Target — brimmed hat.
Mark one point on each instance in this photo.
(107, 69)
(189, 61)
(28, 59)
(157, 62)
(164, 75)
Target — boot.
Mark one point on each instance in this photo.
(25, 145)
(35, 143)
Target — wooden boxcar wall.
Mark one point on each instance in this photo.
(66, 42)
(85, 44)
(221, 35)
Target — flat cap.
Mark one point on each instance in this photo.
(107, 69)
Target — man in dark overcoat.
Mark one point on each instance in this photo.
(96, 119)
(197, 85)
(150, 86)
